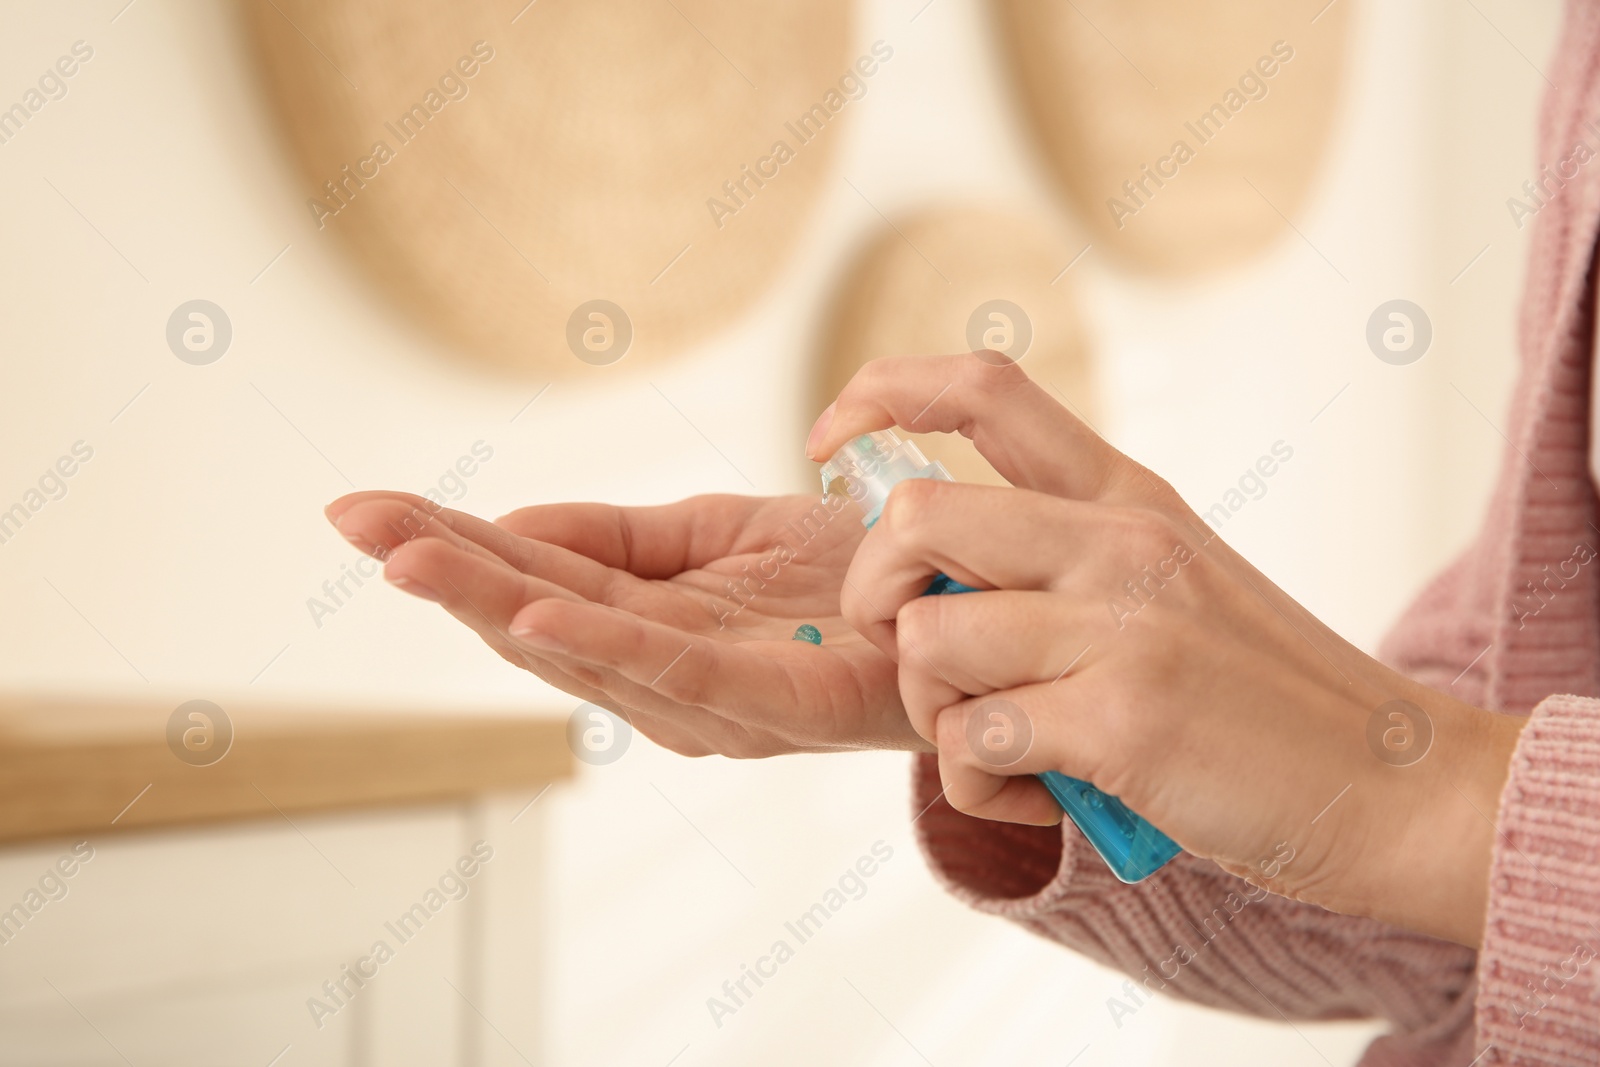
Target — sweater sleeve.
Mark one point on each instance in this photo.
(1192, 930)
(1538, 998)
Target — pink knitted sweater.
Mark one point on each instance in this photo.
(1532, 995)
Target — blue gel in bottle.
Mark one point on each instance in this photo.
(865, 470)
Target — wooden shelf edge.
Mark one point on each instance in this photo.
(63, 779)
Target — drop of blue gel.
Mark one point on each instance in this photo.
(807, 632)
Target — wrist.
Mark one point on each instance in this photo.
(1444, 885)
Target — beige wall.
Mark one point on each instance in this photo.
(185, 550)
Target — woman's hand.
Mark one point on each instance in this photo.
(1140, 653)
(682, 617)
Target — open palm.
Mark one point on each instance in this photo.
(682, 617)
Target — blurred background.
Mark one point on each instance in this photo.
(419, 339)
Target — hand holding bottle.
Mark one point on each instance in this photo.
(1209, 701)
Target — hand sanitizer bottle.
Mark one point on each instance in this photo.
(865, 470)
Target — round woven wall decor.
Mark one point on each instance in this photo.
(954, 280)
(541, 184)
(1182, 133)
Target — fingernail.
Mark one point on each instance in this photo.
(537, 638)
(361, 543)
(416, 588)
(364, 547)
(819, 430)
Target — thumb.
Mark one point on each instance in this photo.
(1029, 437)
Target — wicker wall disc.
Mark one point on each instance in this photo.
(953, 280)
(526, 169)
(1113, 87)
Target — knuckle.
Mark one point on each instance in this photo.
(875, 370)
(855, 608)
(909, 505)
(1132, 733)
(964, 804)
(1156, 489)
(964, 798)
(918, 626)
(990, 370)
(950, 734)
(871, 377)
(1047, 660)
(1149, 534)
(1160, 487)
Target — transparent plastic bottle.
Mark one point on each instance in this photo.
(865, 470)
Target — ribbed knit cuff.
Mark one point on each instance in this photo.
(1194, 931)
(1004, 868)
(1539, 970)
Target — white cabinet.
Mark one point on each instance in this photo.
(213, 946)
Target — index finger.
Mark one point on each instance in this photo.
(657, 541)
(1030, 438)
